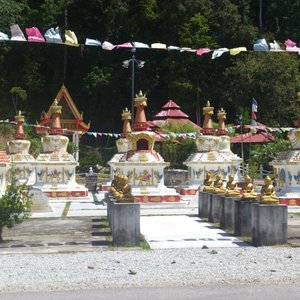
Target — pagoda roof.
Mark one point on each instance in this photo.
(171, 112)
(71, 118)
(261, 137)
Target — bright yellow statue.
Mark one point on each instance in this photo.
(208, 184)
(218, 186)
(120, 189)
(248, 189)
(268, 195)
(232, 187)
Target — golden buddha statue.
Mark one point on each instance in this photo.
(248, 189)
(120, 189)
(218, 186)
(267, 191)
(232, 187)
(208, 184)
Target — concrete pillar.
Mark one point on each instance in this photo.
(110, 201)
(228, 215)
(204, 203)
(269, 224)
(214, 214)
(125, 224)
(200, 202)
(242, 220)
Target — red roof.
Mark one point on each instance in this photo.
(171, 104)
(171, 112)
(3, 157)
(261, 137)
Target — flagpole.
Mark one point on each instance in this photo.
(242, 144)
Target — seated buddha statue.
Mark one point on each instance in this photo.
(120, 189)
(218, 186)
(267, 191)
(232, 187)
(248, 189)
(208, 184)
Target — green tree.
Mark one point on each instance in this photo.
(14, 204)
(176, 149)
(265, 153)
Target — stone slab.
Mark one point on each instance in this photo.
(125, 224)
(269, 224)
(204, 204)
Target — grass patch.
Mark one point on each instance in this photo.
(66, 210)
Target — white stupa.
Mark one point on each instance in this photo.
(22, 163)
(137, 159)
(213, 152)
(55, 167)
(287, 167)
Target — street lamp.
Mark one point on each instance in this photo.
(240, 121)
(126, 64)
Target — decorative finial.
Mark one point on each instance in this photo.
(126, 114)
(140, 99)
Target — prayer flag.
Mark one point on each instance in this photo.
(107, 46)
(219, 52)
(140, 45)
(158, 46)
(261, 45)
(291, 46)
(70, 38)
(34, 35)
(202, 51)
(16, 33)
(235, 51)
(52, 35)
(125, 45)
(174, 48)
(3, 37)
(275, 47)
(254, 105)
(91, 42)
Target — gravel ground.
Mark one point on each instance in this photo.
(137, 268)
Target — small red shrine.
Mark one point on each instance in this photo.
(70, 119)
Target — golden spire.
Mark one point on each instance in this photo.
(140, 121)
(208, 111)
(126, 117)
(222, 127)
(55, 110)
(19, 134)
(140, 99)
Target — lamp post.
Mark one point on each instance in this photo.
(240, 120)
(126, 64)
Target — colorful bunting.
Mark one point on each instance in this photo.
(53, 36)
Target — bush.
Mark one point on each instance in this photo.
(14, 205)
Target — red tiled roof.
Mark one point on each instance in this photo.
(3, 157)
(249, 137)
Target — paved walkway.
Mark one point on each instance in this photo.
(185, 232)
(77, 226)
